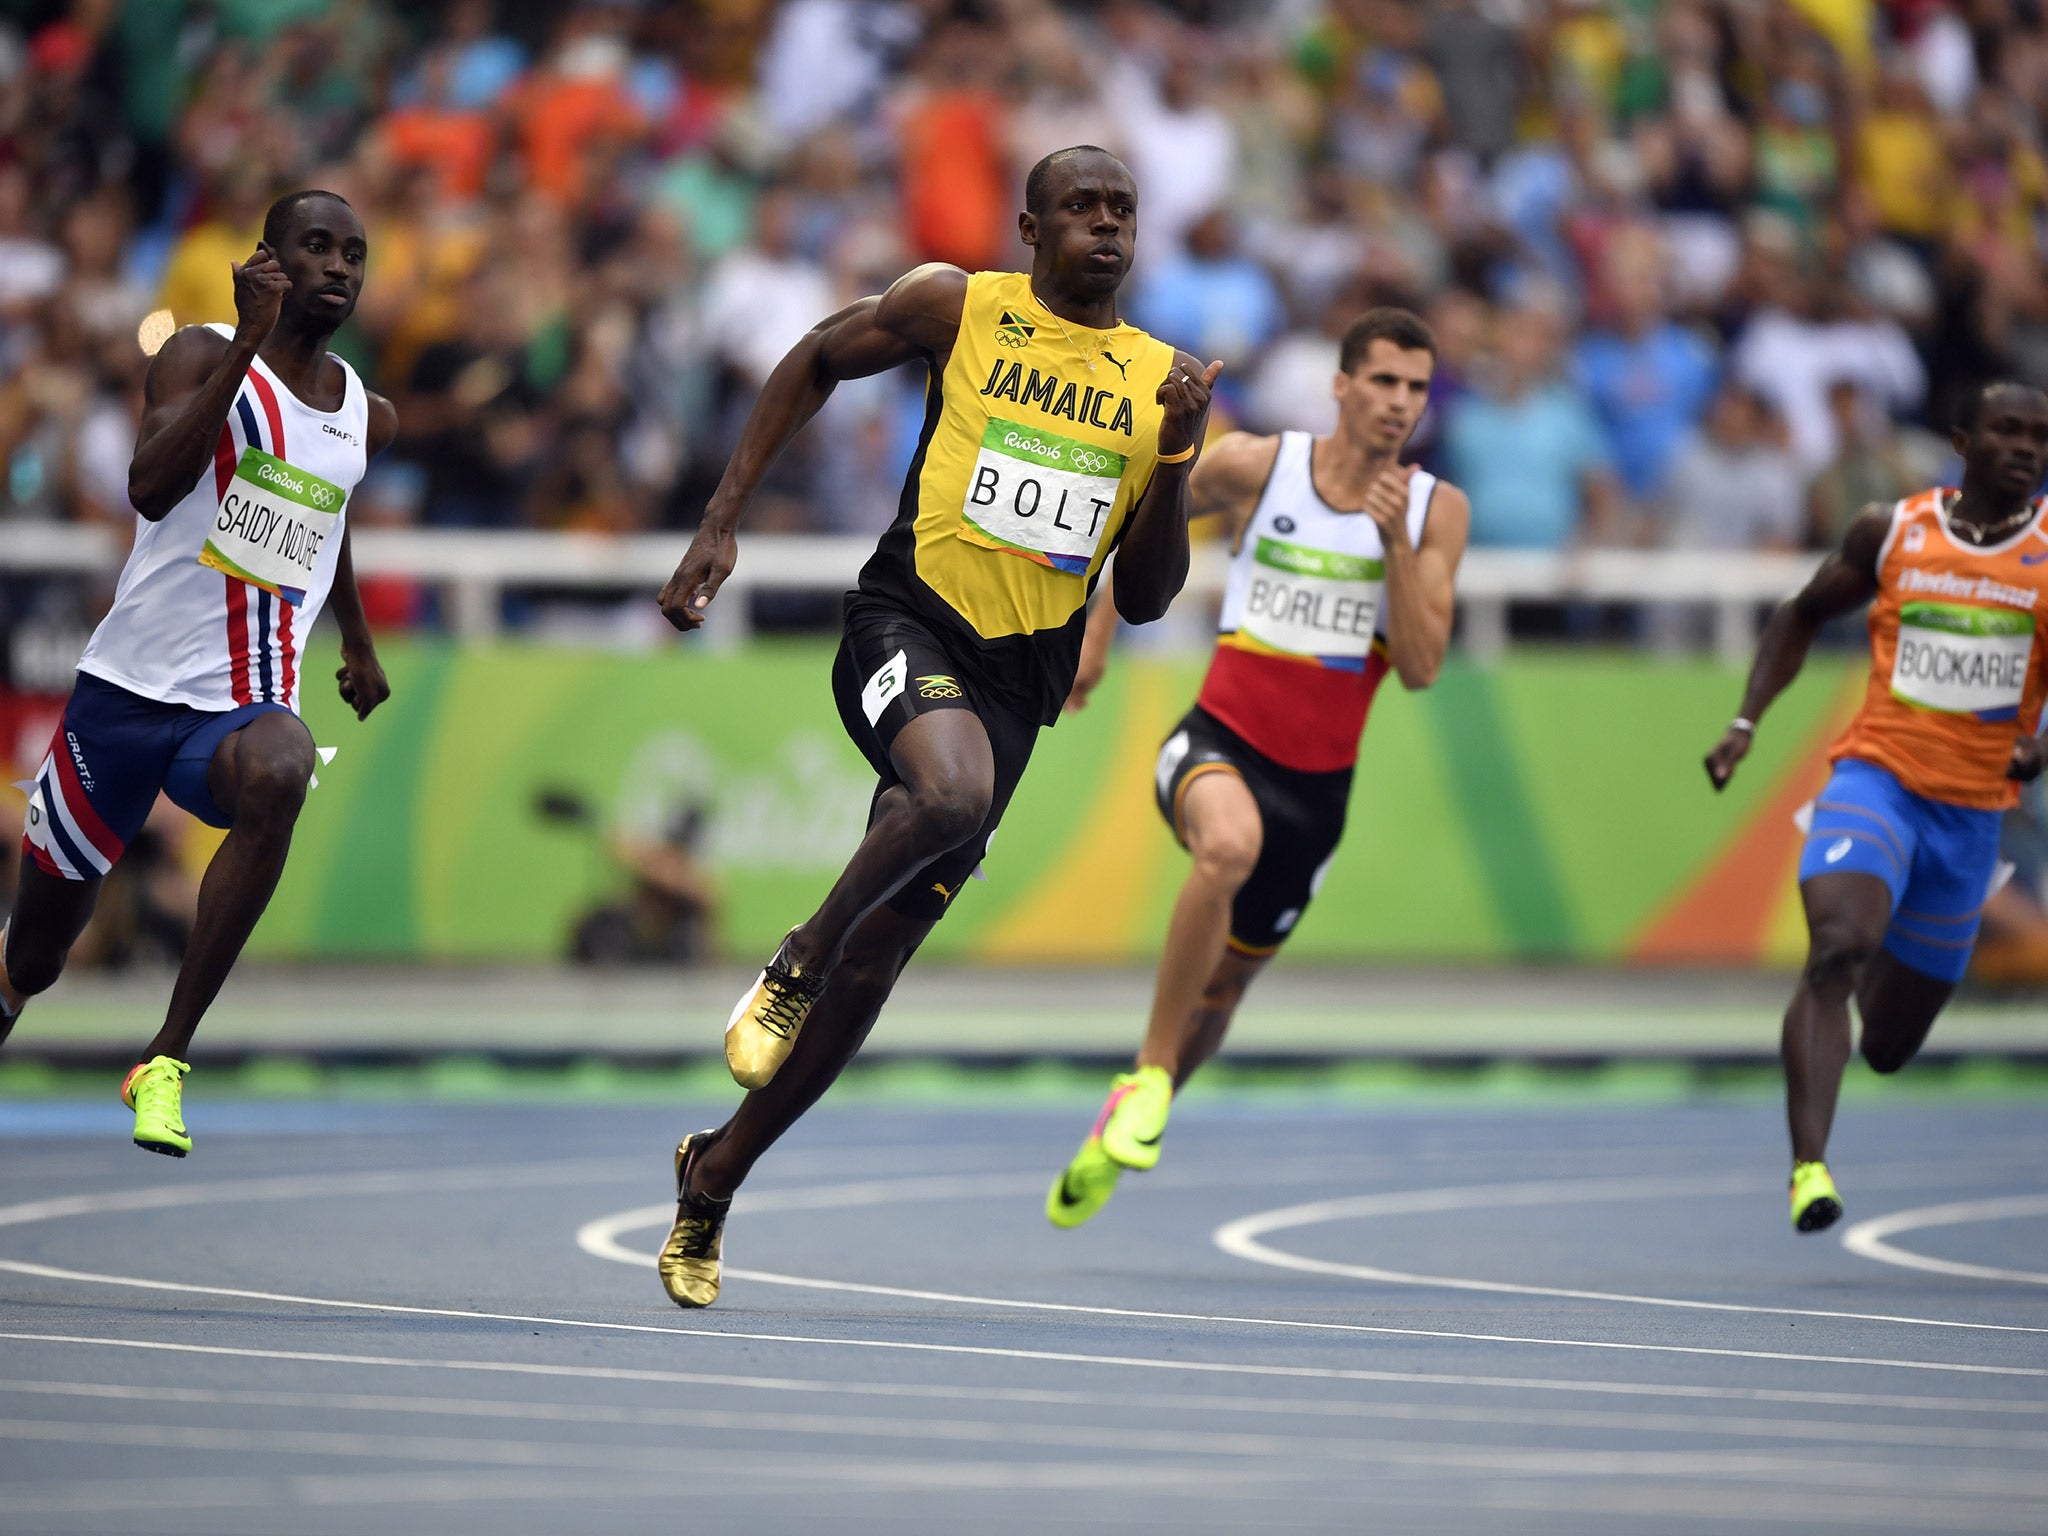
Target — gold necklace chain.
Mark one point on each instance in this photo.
(1981, 534)
(1086, 361)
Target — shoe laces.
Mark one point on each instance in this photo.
(787, 1002)
(696, 1230)
(157, 1084)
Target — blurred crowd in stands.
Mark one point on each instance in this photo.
(1707, 273)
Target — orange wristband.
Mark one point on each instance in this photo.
(1179, 458)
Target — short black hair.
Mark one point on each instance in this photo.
(1403, 327)
(279, 218)
(1038, 185)
(1975, 401)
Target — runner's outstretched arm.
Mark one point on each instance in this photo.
(1845, 581)
(1421, 582)
(190, 387)
(1154, 553)
(918, 317)
(1227, 479)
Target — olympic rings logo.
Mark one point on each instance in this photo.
(1012, 339)
(1090, 462)
(321, 496)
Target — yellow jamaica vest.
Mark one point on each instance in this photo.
(1039, 437)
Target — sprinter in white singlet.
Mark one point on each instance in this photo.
(252, 438)
(1342, 567)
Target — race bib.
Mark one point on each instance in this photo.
(1963, 660)
(1039, 495)
(1312, 602)
(270, 527)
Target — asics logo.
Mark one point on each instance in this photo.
(1088, 461)
(1837, 850)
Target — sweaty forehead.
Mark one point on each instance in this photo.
(325, 213)
(2021, 400)
(1091, 176)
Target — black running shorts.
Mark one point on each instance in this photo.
(890, 669)
(1302, 815)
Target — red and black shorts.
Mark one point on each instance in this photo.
(891, 668)
(1301, 814)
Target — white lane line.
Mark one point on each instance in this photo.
(300, 1186)
(652, 1460)
(1867, 1238)
(866, 1191)
(599, 1238)
(84, 1277)
(1184, 1453)
(1241, 1239)
(1686, 1391)
(1790, 1427)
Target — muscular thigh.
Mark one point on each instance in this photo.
(918, 716)
(1303, 817)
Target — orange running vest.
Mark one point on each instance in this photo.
(1958, 656)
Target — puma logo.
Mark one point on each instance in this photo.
(1122, 364)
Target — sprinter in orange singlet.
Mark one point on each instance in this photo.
(1903, 847)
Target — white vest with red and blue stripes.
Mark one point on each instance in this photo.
(186, 633)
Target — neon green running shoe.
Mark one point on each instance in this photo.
(1134, 1118)
(1084, 1185)
(156, 1092)
(1815, 1204)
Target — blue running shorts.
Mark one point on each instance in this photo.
(1937, 859)
(113, 751)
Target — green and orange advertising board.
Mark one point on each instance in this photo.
(1550, 807)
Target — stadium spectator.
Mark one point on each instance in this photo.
(1525, 446)
(1647, 378)
(1874, 462)
(1212, 297)
(1733, 484)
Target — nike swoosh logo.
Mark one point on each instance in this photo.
(1067, 1198)
(1148, 1141)
(2034, 559)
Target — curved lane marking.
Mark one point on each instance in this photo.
(1241, 1239)
(859, 1192)
(864, 1191)
(1867, 1238)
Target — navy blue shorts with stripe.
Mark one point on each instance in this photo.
(113, 752)
(1937, 859)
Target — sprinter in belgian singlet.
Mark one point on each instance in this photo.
(1053, 434)
(1902, 850)
(252, 438)
(1342, 568)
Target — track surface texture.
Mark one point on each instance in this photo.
(340, 1317)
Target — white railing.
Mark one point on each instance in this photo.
(476, 569)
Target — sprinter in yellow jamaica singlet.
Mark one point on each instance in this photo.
(1053, 434)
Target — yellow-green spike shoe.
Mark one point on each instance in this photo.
(156, 1092)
